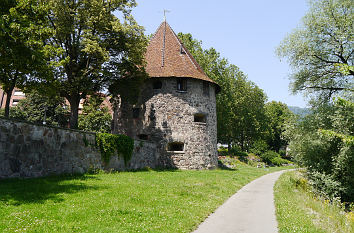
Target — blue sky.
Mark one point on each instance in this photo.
(246, 32)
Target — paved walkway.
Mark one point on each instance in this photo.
(250, 210)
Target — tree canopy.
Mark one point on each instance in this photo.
(278, 116)
(21, 44)
(39, 108)
(321, 51)
(91, 48)
(240, 104)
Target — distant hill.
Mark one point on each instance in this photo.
(302, 112)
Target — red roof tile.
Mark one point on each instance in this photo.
(167, 57)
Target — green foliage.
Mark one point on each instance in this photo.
(95, 116)
(91, 48)
(278, 161)
(111, 144)
(240, 104)
(323, 143)
(259, 147)
(37, 108)
(298, 209)
(21, 44)
(234, 151)
(278, 115)
(321, 50)
(268, 156)
(222, 151)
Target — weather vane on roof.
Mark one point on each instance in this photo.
(164, 14)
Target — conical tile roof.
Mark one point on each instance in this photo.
(167, 57)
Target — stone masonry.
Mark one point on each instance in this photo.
(29, 150)
(167, 115)
(177, 106)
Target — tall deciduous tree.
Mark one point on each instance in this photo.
(278, 115)
(94, 47)
(321, 51)
(21, 43)
(240, 104)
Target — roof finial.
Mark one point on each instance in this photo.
(164, 14)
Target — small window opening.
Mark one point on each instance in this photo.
(15, 102)
(182, 50)
(206, 88)
(136, 113)
(157, 85)
(164, 124)
(143, 137)
(199, 117)
(181, 84)
(175, 146)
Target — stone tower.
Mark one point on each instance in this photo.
(177, 107)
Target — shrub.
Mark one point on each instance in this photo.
(282, 153)
(222, 151)
(259, 147)
(323, 142)
(325, 184)
(241, 154)
(268, 156)
(111, 144)
(278, 161)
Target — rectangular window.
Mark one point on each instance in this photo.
(199, 117)
(143, 137)
(205, 88)
(15, 102)
(181, 84)
(175, 146)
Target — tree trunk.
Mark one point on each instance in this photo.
(7, 103)
(229, 146)
(242, 141)
(74, 111)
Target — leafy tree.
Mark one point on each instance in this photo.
(37, 108)
(91, 48)
(321, 51)
(95, 116)
(278, 115)
(240, 104)
(323, 142)
(21, 46)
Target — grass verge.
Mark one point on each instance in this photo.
(299, 210)
(146, 201)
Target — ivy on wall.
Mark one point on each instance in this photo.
(111, 144)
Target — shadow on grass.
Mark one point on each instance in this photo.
(222, 166)
(38, 190)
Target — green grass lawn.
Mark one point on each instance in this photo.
(299, 210)
(146, 201)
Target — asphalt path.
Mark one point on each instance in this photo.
(250, 210)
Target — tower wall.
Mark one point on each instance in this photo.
(167, 117)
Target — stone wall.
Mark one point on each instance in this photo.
(167, 115)
(29, 150)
